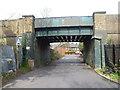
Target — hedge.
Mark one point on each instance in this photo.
(69, 52)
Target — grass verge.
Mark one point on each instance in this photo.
(114, 76)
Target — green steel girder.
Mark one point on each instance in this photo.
(63, 32)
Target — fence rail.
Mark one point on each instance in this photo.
(112, 55)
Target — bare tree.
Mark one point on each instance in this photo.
(45, 12)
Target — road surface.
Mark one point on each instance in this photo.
(68, 72)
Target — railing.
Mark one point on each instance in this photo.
(112, 57)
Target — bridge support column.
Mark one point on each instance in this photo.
(97, 53)
(42, 50)
(100, 39)
(94, 54)
(89, 52)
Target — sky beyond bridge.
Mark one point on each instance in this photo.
(17, 8)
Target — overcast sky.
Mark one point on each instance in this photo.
(17, 8)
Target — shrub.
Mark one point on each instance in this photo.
(55, 55)
(69, 52)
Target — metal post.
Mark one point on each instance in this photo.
(101, 52)
(113, 54)
(18, 57)
(18, 44)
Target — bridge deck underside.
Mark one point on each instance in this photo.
(65, 38)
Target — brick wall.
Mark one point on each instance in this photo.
(61, 50)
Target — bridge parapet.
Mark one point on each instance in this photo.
(64, 21)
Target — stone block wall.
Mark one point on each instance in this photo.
(99, 21)
(108, 23)
(112, 28)
(16, 28)
(106, 31)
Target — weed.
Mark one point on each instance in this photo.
(25, 66)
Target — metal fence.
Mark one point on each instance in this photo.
(112, 55)
(7, 59)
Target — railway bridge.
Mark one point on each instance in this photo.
(94, 31)
(69, 29)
